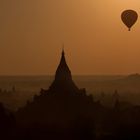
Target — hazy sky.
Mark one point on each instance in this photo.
(96, 41)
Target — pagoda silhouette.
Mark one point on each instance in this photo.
(62, 107)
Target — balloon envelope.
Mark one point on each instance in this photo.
(129, 18)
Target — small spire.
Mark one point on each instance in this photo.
(63, 52)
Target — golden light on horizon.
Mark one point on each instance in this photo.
(96, 40)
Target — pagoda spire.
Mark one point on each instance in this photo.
(63, 77)
(63, 47)
(63, 54)
(63, 69)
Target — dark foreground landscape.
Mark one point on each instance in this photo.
(66, 112)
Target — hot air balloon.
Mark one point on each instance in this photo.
(129, 18)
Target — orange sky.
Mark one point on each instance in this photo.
(96, 41)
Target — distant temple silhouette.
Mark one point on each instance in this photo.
(61, 105)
